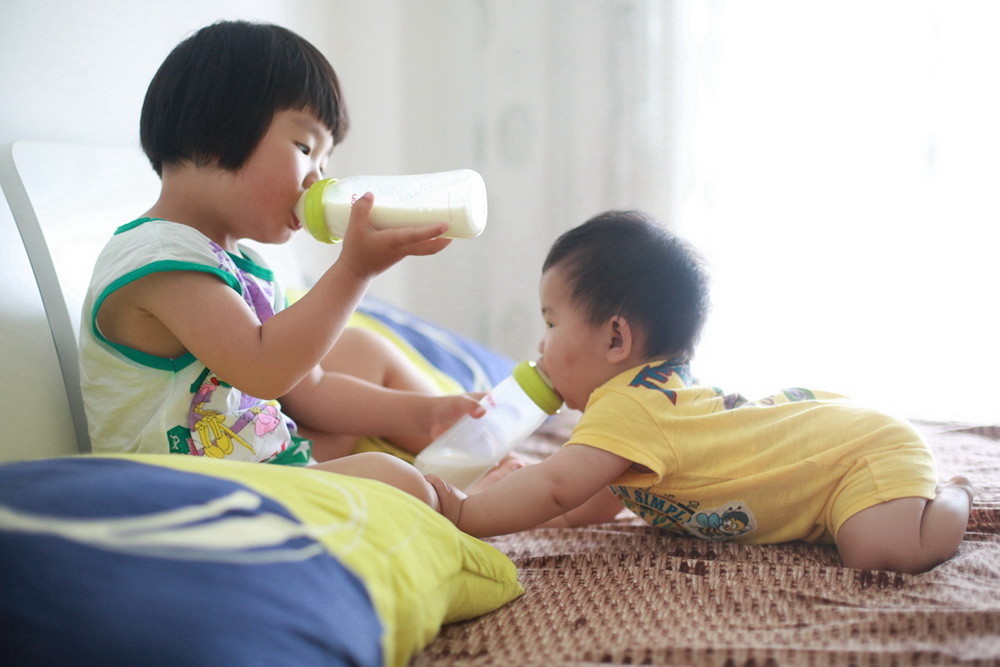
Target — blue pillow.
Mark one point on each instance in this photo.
(109, 562)
(177, 560)
(473, 366)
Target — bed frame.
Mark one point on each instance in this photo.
(65, 201)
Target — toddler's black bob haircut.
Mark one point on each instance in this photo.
(214, 97)
(625, 263)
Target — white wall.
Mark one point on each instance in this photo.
(430, 85)
(77, 70)
(552, 101)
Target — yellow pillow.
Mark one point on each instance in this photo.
(419, 570)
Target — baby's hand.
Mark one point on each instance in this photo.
(369, 251)
(450, 499)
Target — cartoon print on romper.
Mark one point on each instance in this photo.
(665, 511)
(654, 377)
(723, 523)
(791, 395)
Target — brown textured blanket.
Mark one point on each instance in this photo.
(625, 593)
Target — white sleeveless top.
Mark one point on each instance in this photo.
(140, 403)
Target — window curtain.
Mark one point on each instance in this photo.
(841, 178)
(835, 162)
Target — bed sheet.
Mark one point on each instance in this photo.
(625, 593)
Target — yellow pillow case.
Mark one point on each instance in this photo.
(419, 570)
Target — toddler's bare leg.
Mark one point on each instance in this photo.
(378, 379)
(367, 355)
(909, 535)
(384, 468)
(327, 446)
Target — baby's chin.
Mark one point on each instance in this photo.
(578, 400)
(562, 396)
(572, 403)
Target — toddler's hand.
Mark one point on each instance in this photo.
(369, 251)
(450, 499)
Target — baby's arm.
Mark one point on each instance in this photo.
(603, 507)
(535, 494)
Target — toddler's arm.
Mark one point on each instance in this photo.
(212, 321)
(535, 494)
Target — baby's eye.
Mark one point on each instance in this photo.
(548, 325)
(305, 149)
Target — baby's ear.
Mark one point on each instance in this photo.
(622, 339)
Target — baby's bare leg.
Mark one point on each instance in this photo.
(909, 535)
(384, 468)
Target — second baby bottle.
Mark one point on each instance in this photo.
(471, 447)
(457, 198)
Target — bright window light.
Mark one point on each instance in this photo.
(843, 183)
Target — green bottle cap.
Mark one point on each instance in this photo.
(538, 388)
(315, 222)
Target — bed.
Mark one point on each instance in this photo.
(110, 559)
(177, 560)
(626, 594)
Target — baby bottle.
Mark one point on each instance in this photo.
(471, 447)
(454, 197)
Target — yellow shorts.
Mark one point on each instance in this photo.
(903, 471)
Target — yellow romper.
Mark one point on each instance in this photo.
(793, 466)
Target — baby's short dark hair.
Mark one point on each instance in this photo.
(625, 263)
(215, 95)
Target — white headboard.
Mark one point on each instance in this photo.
(67, 200)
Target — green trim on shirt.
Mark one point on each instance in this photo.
(251, 267)
(132, 225)
(153, 361)
(242, 261)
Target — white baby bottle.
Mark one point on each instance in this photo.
(471, 447)
(454, 197)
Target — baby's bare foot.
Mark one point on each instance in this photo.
(962, 482)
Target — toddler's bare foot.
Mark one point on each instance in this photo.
(446, 410)
(509, 464)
